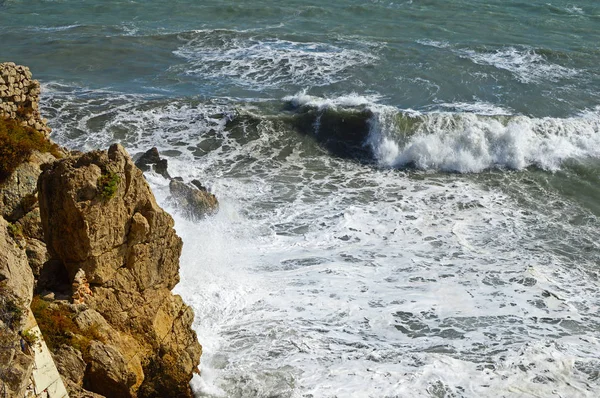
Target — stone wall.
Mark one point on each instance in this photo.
(19, 96)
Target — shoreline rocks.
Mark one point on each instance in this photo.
(193, 199)
(127, 248)
(84, 236)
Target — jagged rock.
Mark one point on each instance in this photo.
(80, 287)
(16, 290)
(108, 373)
(16, 278)
(19, 96)
(18, 192)
(195, 202)
(151, 160)
(16, 374)
(31, 225)
(70, 364)
(85, 229)
(100, 216)
(37, 255)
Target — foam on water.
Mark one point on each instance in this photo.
(423, 289)
(472, 143)
(524, 63)
(473, 138)
(266, 62)
(350, 100)
(323, 277)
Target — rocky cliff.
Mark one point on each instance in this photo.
(86, 248)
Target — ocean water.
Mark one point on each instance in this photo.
(409, 190)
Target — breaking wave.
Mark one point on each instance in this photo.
(464, 142)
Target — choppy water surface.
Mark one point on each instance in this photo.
(409, 190)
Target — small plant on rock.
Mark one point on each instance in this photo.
(15, 230)
(10, 312)
(108, 183)
(30, 337)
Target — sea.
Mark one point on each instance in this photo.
(409, 190)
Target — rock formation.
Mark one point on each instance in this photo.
(87, 240)
(16, 290)
(127, 247)
(194, 201)
(151, 160)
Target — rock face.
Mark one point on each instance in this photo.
(16, 290)
(19, 97)
(99, 216)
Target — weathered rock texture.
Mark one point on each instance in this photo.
(193, 200)
(99, 216)
(19, 97)
(22, 251)
(88, 237)
(16, 290)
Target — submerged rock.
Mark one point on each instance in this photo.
(151, 160)
(194, 200)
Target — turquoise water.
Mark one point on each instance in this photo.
(409, 190)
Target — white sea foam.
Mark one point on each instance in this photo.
(53, 28)
(265, 62)
(326, 277)
(474, 137)
(573, 9)
(524, 63)
(478, 108)
(350, 100)
(434, 43)
(472, 143)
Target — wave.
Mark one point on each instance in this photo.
(464, 142)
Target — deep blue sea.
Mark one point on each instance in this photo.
(409, 190)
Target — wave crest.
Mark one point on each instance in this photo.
(463, 142)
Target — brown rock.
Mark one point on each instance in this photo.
(194, 202)
(37, 255)
(19, 93)
(16, 278)
(16, 374)
(151, 160)
(16, 290)
(70, 364)
(31, 224)
(97, 228)
(108, 374)
(17, 193)
(100, 216)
